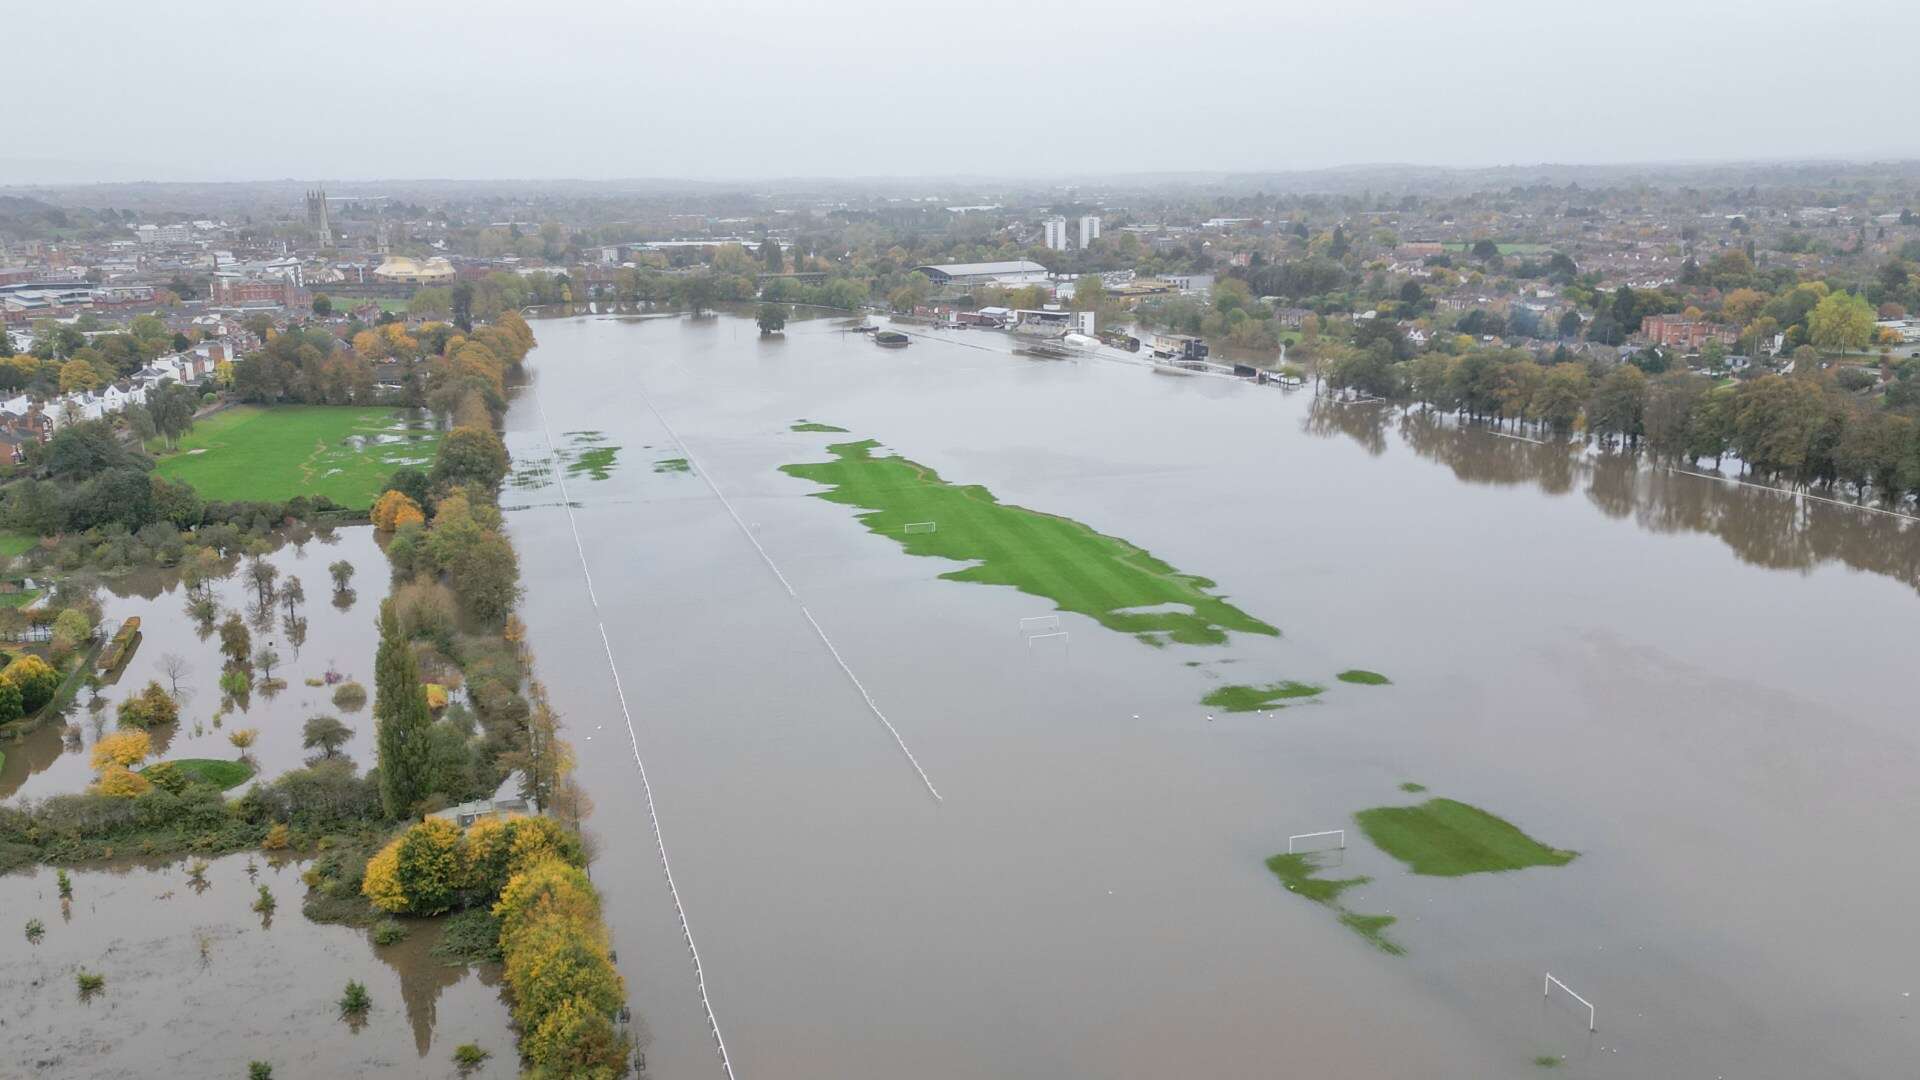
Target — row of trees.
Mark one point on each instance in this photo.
(1806, 427)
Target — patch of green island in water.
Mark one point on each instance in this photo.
(596, 464)
(1412, 788)
(1363, 677)
(220, 773)
(1299, 874)
(1444, 838)
(1103, 577)
(1256, 698)
(813, 425)
(672, 464)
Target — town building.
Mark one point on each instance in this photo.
(1016, 272)
(1680, 332)
(1055, 229)
(1089, 230)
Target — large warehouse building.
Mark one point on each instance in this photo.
(1018, 272)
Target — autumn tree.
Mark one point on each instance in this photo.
(236, 641)
(393, 509)
(325, 734)
(123, 748)
(36, 680)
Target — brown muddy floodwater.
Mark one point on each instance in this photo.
(198, 984)
(338, 633)
(1699, 686)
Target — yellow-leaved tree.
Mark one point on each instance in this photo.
(394, 509)
(122, 748)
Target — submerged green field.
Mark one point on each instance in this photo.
(1445, 838)
(1300, 874)
(1102, 577)
(1256, 698)
(272, 454)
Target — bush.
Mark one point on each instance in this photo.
(120, 783)
(421, 872)
(36, 679)
(151, 707)
(355, 1001)
(388, 932)
(350, 696)
(277, 839)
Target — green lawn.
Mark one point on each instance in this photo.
(1363, 677)
(1256, 698)
(252, 452)
(812, 425)
(14, 543)
(220, 773)
(1444, 838)
(19, 599)
(1103, 577)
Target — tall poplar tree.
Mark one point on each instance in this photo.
(403, 724)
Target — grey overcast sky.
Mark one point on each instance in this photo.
(598, 89)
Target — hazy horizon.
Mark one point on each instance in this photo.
(745, 90)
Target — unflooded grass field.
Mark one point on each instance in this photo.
(268, 454)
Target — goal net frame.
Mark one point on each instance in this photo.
(1546, 991)
(912, 527)
(1296, 837)
(1036, 624)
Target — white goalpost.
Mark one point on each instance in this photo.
(918, 527)
(1339, 835)
(1039, 624)
(1058, 637)
(1546, 990)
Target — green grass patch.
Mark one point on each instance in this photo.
(1547, 1061)
(672, 465)
(19, 599)
(809, 425)
(1297, 872)
(16, 543)
(1363, 677)
(595, 464)
(1255, 698)
(1444, 838)
(252, 452)
(219, 773)
(1109, 580)
(1412, 788)
(1374, 929)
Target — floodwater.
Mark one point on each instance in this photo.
(199, 984)
(338, 634)
(1699, 686)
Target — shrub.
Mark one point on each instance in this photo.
(258, 1070)
(120, 783)
(355, 1001)
(11, 707)
(265, 903)
(381, 881)
(235, 683)
(37, 680)
(436, 697)
(122, 748)
(149, 708)
(468, 1057)
(350, 696)
(278, 838)
(89, 982)
(388, 932)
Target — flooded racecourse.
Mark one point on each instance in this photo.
(1698, 686)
